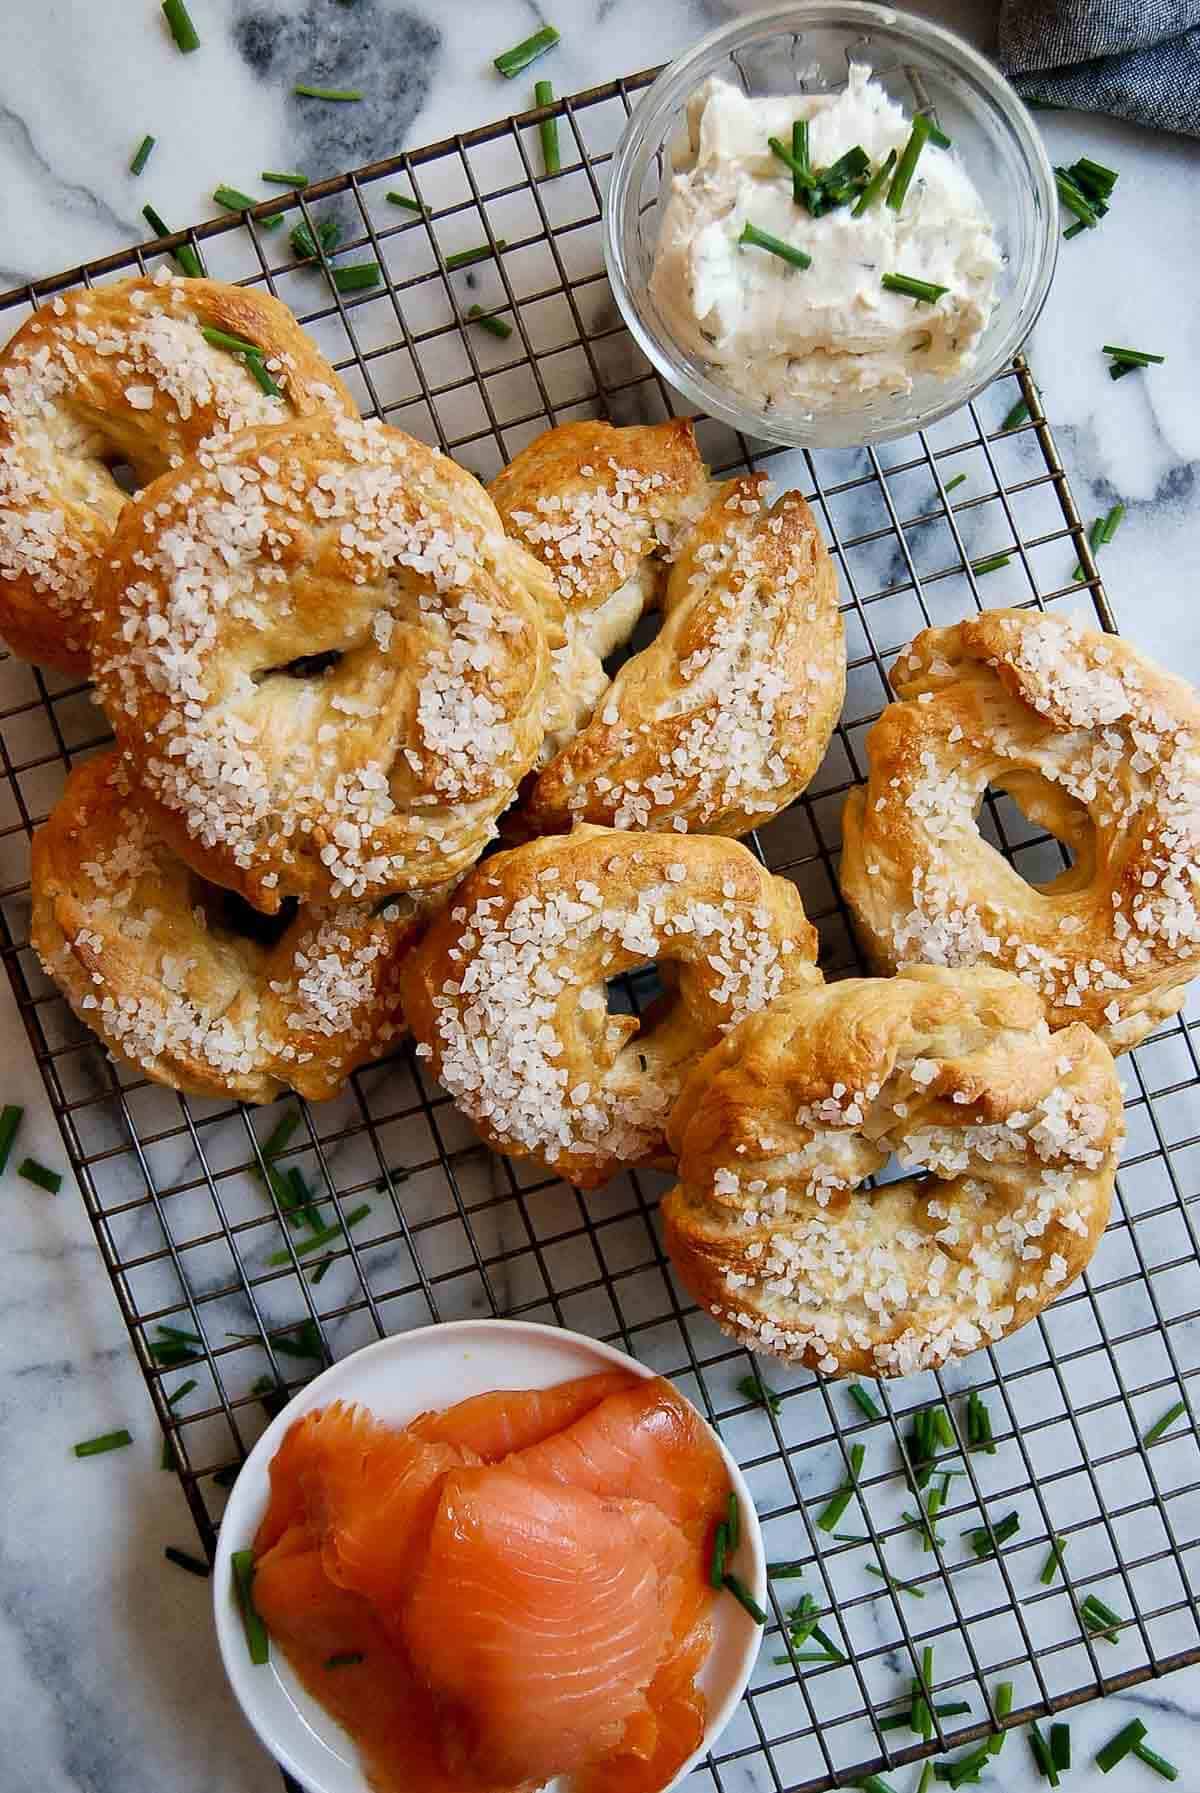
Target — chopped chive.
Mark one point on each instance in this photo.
(33, 1172)
(923, 291)
(262, 376)
(357, 277)
(979, 1425)
(827, 1644)
(1118, 1747)
(899, 1587)
(1095, 537)
(166, 1458)
(803, 1620)
(1042, 1756)
(107, 1441)
(873, 1784)
(1073, 230)
(934, 1501)
(307, 248)
(182, 29)
(320, 1271)
(1133, 357)
(926, 1778)
(233, 199)
(981, 1539)
(395, 1175)
(185, 1388)
(744, 1598)
(344, 1659)
(183, 1333)
(303, 1341)
(463, 258)
(943, 1430)
(1099, 1618)
(802, 176)
(286, 177)
(1095, 174)
(257, 1641)
(326, 1236)
(837, 1506)
(141, 155)
(754, 238)
(720, 1549)
(952, 485)
(990, 564)
(754, 1389)
(1075, 200)
(1060, 1746)
(852, 1538)
(10, 1120)
(308, 92)
(862, 1399)
(897, 1721)
(733, 1524)
(1151, 1437)
(172, 1354)
(285, 1126)
(298, 1203)
(402, 199)
(511, 62)
(220, 339)
(185, 255)
(874, 186)
(785, 1571)
(1002, 1701)
(795, 159)
(543, 95)
(1152, 1759)
(1111, 524)
(966, 1769)
(905, 168)
(1053, 1562)
(195, 1565)
(936, 134)
(1019, 414)
(799, 1656)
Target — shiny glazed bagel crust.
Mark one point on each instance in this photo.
(958, 1075)
(122, 374)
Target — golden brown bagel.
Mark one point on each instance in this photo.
(720, 722)
(112, 375)
(506, 994)
(148, 956)
(957, 1073)
(324, 661)
(1100, 748)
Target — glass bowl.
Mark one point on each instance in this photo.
(808, 49)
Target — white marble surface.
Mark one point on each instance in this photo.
(108, 1676)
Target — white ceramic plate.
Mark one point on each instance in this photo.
(396, 1379)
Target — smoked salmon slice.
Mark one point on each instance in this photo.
(642, 1443)
(539, 1620)
(368, 1491)
(511, 1419)
(344, 1657)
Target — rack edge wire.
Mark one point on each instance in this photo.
(132, 258)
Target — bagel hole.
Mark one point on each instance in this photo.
(305, 666)
(633, 991)
(1045, 834)
(642, 634)
(229, 913)
(126, 477)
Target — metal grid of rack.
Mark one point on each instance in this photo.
(183, 1200)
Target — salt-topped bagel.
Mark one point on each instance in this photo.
(153, 960)
(506, 995)
(324, 661)
(123, 375)
(1099, 747)
(955, 1072)
(721, 721)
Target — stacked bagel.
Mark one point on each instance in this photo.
(337, 668)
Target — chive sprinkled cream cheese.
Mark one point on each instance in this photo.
(822, 329)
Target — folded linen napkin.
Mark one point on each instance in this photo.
(1137, 58)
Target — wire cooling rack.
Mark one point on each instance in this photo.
(182, 1198)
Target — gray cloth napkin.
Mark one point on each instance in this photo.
(1137, 58)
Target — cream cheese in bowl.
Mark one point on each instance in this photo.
(810, 339)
